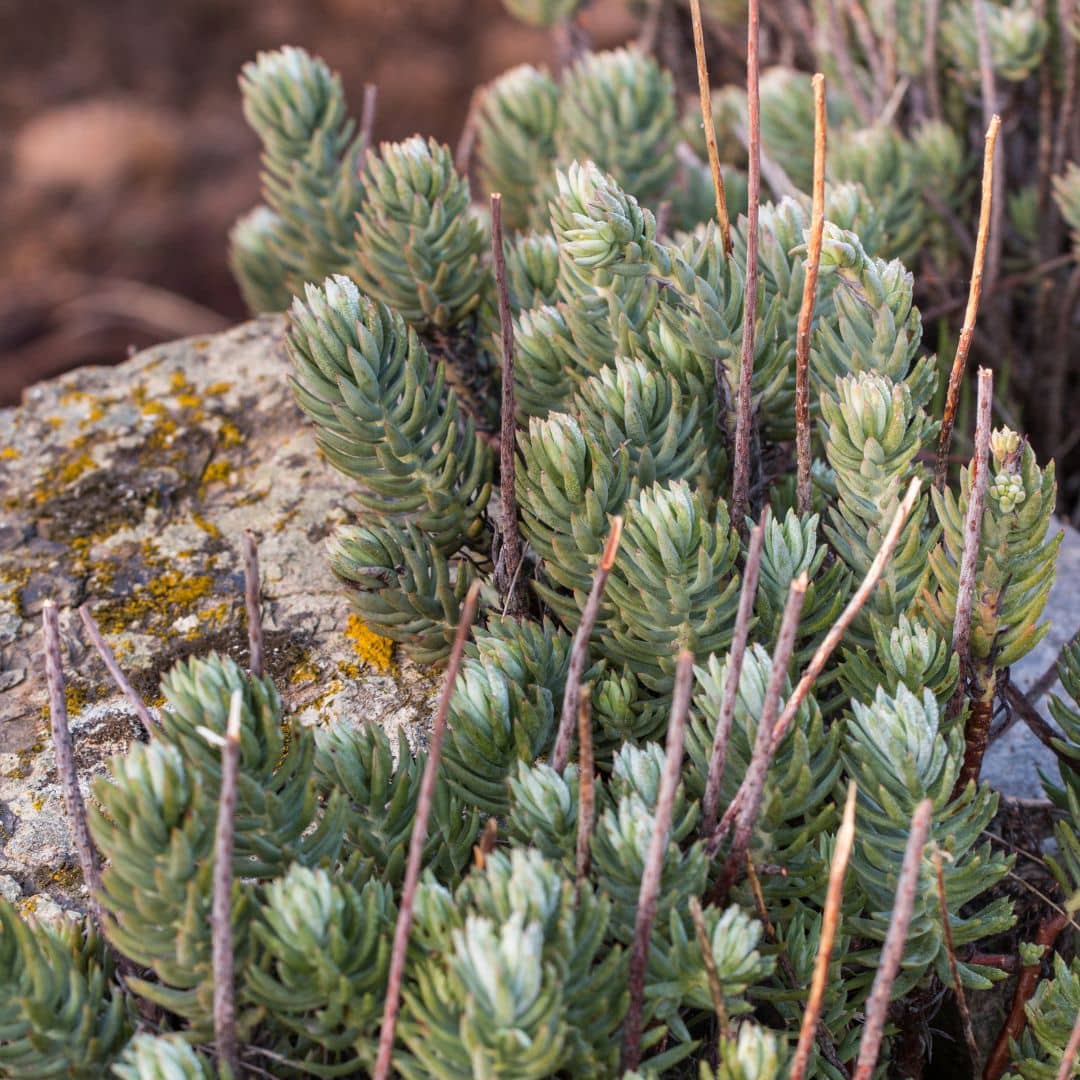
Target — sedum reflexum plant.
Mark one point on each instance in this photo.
(621, 907)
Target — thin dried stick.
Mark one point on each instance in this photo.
(831, 640)
(740, 485)
(654, 861)
(844, 63)
(586, 788)
(707, 958)
(463, 152)
(929, 58)
(758, 769)
(65, 759)
(892, 952)
(718, 757)
(868, 43)
(1071, 1050)
(510, 584)
(486, 844)
(954, 968)
(989, 109)
(977, 734)
(1047, 934)
(1066, 20)
(830, 921)
(806, 309)
(418, 838)
(705, 94)
(251, 603)
(367, 115)
(221, 902)
(579, 651)
(146, 717)
(956, 375)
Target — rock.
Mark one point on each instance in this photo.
(128, 489)
(1014, 760)
(9, 888)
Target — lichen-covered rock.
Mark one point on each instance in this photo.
(128, 489)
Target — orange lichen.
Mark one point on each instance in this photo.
(370, 647)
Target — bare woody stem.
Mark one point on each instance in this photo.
(221, 902)
(963, 346)
(251, 604)
(705, 93)
(758, 769)
(417, 840)
(463, 152)
(707, 958)
(579, 650)
(830, 641)
(1047, 934)
(975, 739)
(954, 967)
(710, 804)
(65, 759)
(932, 12)
(654, 861)
(804, 488)
(830, 922)
(511, 587)
(740, 485)
(586, 785)
(367, 115)
(146, 717)
(892, 952)
(1072, 1048)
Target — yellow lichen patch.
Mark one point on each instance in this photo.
(67, 877)
(369, 646)
(55, 422)
(69, 472)
(37, 804)
(217, 472)
(207, 527)
(217, 389)
(75, 698)
(230, 435)
(304, 674)
(166, 597)
(9, 453)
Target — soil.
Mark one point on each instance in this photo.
(124, 156)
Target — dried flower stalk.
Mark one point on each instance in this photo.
(705, 93)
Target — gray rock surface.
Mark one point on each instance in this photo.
(1015, 759)
(128, 489)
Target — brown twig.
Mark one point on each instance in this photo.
(977, 733)
(1047, 934)
(1068, 34)
(1072, 1047)
(251, 604)
(954, 967)
(868, 43)
(718, 756)
(705, 94)
(830, 641)
(806, 308)
(466, 143)
(740, 484)
(146, 717)
(1021, 704)
(65, 759)
(586, 789)
(715, 990)
(654, 861)
(989, 109)
(758, 769)
(892, 952)
(367, 115)
(511, 587)
(830, 921)
(844, 63)
(579, 651)
(959, 365)
(929, 58)
(418, 838)
(221, 901)
(486, 845)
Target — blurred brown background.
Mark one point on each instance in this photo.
(124, 156)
